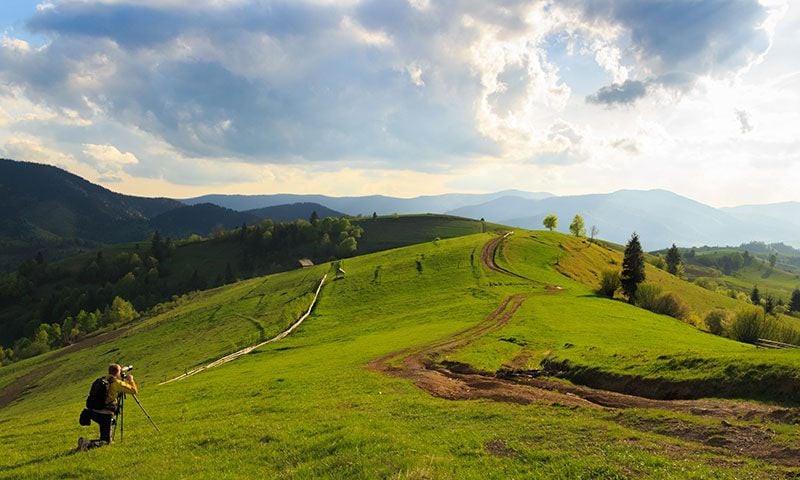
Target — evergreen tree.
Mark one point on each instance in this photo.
(794, 304)
(673, 260)
(755, 296)
(769, 303)
(577, 227)
(157, 247)
(632, 268)
(314, 218)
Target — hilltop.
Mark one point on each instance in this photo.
(373, 383)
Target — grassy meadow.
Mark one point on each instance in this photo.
(308, 407)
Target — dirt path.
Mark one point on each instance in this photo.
(459, 382)
(489, 253)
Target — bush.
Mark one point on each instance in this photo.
(671, 304)
(707, 283)
(647, 296)
(748, 325)
(609, 283)
(715, 321)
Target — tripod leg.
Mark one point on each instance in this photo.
(146, 414)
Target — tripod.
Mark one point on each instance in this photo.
(119, 419)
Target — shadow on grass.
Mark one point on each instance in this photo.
(46, 458)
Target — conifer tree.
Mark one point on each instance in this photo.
(632, 268)
(794, 304)
(673, 260)
(755, 296)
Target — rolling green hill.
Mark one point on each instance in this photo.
(363, 389)
(48, 293)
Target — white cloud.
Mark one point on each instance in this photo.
(374, 38)
(108, 158)
(238, 94)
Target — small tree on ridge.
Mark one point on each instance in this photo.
(577, 227)
(673, 260)
(550, 222)
(632, 268)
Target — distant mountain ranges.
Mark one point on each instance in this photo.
(659, 217)
(46, 208)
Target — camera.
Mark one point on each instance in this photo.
(125, 371)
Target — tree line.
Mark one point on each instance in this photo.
(46, 306)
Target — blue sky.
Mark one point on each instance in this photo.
(407, 97)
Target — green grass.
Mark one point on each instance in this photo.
(386, 232)
(307, 406)
(599, 336)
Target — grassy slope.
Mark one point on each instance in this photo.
(611, 336)
(307, 407)
(387, 232)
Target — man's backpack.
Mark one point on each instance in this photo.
(98, 394)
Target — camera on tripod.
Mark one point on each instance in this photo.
(125, 370)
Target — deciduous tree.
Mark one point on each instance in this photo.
(577, 227)
(550, 222)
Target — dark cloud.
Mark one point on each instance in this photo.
(679, 40)
(624, 93)
(688, 35)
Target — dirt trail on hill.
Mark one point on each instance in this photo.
(460, 382)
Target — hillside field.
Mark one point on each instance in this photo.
(314, 406)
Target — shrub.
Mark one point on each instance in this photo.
(646, 296)
(715, 321)
(748, 325)
(706, 283)
(609, 283)
(671, 304)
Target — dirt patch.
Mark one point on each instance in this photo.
(24, 384)
(498, 448)
(745, 440)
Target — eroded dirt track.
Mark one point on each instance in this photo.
(422, 365)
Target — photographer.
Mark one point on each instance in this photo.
(116, 386)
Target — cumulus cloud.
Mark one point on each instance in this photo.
(108, 159)
(29, 149)
(383, 84)
(674, 42)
